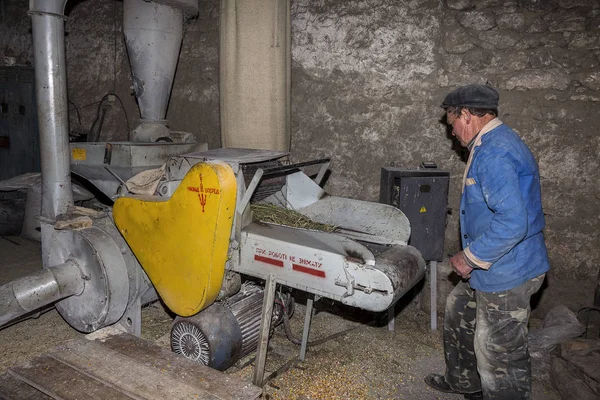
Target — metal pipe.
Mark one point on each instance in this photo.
(47, 20)
(32, 292)
(433, 287)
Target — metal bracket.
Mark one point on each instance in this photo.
(108, 154)
(349, 284)
(250, 191)
(321, 174)
(123, 183)
(132, 319)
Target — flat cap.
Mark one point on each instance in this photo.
(472, 96)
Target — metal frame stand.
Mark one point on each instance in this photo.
(391, 316)
(433, 292)
(132, 319)
(265, 329)
(433, 307)
(305, 331)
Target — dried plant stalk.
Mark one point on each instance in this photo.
(270, 213)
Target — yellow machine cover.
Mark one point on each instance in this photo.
(182, 243)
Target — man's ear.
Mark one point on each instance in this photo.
(467, 115)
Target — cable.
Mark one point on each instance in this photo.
(100, 117)
(97, 136)
(89, 105)
(126, 117)
(77, 111)
(101, 114)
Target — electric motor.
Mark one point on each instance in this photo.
(226, 331)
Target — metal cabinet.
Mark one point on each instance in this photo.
(19, 141)
(422, 195)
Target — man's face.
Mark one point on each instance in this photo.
(459, 127)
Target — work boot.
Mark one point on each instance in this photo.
(474, 396)
(438, 382)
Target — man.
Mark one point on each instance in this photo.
(504, 258)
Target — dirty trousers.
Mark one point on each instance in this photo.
(486, 333)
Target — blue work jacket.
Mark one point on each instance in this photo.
(501, 217)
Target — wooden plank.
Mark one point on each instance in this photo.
(217, 383)
(61, 381)
(130, 376)
(12, 388)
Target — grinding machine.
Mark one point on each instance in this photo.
(189, 238)
(197, 236)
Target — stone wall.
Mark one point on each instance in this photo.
(367, 80)
(544, 56)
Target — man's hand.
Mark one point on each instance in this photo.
(460, 266)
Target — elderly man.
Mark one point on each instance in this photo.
(504, 257)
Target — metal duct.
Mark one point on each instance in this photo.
(37, 290)
(102, 255)
(153, 34)
(47, 17)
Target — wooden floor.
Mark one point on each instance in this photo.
(119, 367)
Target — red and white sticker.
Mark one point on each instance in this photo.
(299, 264)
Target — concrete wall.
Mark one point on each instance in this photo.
(367, 80)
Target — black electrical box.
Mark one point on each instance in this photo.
(19, 137)
(422, 195)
